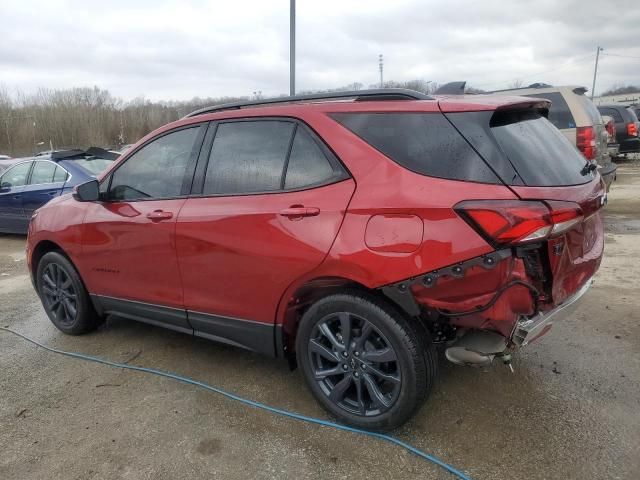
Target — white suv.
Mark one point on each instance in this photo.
(577, 118)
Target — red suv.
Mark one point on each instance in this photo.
(351, 232)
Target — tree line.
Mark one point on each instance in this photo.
(83, 117)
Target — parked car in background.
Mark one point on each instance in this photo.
(612, 144)
(573, 113)
(626, 126)
(31, 182)
(349, 236)
(4, 157)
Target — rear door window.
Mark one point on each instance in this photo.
(540, 153)
(559, 113)
(248, 157)
(425, 143)
(42, 172)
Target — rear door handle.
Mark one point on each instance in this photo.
(158, 215)
(299, 211)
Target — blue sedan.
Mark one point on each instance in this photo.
(31, 182)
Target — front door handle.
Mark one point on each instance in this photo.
(158, 215)
(299, 211)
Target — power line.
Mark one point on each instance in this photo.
(568, 63)
(618, 55)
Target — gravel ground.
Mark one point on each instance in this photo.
(570, 411)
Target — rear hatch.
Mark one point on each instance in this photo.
(539, 164)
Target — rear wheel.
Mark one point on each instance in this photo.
(64, 298)
(363, 362)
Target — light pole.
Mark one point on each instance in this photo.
(595, 71)
(292, 47)
(381, 65)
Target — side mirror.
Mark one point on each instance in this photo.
(87, 192)
(5, 186)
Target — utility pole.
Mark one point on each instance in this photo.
(595, 71)
(292, 47)
(381, 65)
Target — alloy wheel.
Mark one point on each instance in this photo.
(354, 364)
(59, 294)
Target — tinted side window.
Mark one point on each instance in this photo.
(248, 157)
(42, 173)
(425, 143)
(156, 170)
(16, 176)
(559, 114)
(307, 164)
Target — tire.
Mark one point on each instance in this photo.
(64, 297)
(343, 373)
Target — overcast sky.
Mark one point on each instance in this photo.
(178, 49)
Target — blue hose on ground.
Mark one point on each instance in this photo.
(232, 396)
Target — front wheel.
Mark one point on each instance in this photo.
(64, 298)
(363, 361)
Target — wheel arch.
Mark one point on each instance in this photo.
(301, 296)
(40, 250)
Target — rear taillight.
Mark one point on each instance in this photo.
(586, 142)
(632, 130)
(512, 222)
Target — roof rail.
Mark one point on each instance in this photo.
(357, 95)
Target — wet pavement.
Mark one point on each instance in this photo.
(570, 411)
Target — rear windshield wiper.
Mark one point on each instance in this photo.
(588, 168)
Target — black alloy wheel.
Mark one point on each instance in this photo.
(59, 295)
(64, 296)
(354, 364)
(364, 361)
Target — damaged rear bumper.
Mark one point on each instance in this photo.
(529, 329)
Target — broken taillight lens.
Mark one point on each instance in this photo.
(512, 222)
(586, 142)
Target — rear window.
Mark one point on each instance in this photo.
(634, 117)
(559, 114)
(538, 151)
(94, 166)
(612, 112)
(425, 143)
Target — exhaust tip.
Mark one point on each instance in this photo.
(469, 358)
(476, 348)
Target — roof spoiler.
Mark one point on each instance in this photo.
(89, 152)
(451, 88)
